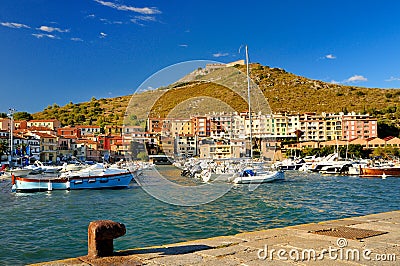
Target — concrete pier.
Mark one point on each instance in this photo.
(367, 240)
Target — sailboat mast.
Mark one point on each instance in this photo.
(249, 101)
(11, 115)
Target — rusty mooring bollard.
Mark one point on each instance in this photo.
(100, 237)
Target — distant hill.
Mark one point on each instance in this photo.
(284, 92)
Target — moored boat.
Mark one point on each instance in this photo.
(380, 171)
(107, 178)
(248, 176)
(18, 171)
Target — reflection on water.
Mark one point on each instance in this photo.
(48, 226)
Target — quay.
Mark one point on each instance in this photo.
(366, 240)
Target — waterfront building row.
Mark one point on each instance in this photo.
(305, 127)
(217, 135)
(370, 143)
(47, 141)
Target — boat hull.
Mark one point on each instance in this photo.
(115, 181)
(260, 178)
(101, 182)
(380, 172)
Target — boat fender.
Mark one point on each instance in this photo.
(68, 185)
(49, 186)
(12, 179)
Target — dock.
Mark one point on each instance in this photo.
(366, 240)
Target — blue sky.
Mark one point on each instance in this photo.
(57, 51)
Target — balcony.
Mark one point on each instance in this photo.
(48, 151)
(48, 143)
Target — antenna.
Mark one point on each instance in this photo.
(249, 101)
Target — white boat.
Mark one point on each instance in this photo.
(73, 166)
(39, 166)
(95, 178)
(354, 168)
(252, 176)
(248, 176)
(205, 176)
(98, 169)
(289, 164)
(332, 161)
(17, 171)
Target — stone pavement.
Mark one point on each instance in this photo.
(367, 240)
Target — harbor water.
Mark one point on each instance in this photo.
(37, 227)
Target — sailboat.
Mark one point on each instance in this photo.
(249, 174)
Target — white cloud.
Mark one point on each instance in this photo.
(14, 25)
(103, 35)
(334, 82)
(91, 16)
(330, 56)
(183, 45)
(76, 39)
(51, 29)
(392, 79)
(107, 21)
(356, 78)
(145, 18)
(220, 54)
(41, 35)
(139, 19)
(141, 10)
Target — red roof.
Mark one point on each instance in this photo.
(40, 128)
(44, 135)
(87, 141)
(44, 120)
(388, 138)
(69, 137)
(352, 139)
(86, 126)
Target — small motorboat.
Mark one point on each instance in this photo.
(248, 176)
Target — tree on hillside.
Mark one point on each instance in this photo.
(356, 151)
(80, 118)
(22, 116)
(298, 134)
(71, 122)
(386, 130)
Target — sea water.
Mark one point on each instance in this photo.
(38, 227)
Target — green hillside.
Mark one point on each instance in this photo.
(284, 91)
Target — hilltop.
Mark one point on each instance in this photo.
(285, 92)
